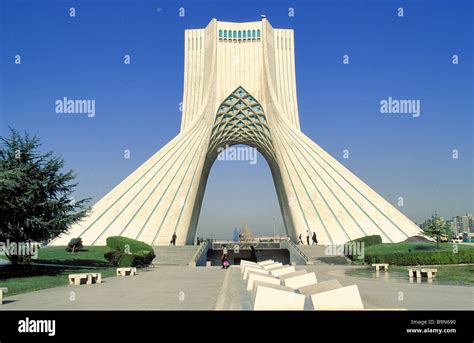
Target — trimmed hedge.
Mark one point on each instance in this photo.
(368, 240)
(128, 252)
(423, 258)
(127, 245)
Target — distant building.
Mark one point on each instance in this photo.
(462, 224)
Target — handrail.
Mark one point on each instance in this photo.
(201, 249)
(298, 250)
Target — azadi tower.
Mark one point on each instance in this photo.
(240, 88)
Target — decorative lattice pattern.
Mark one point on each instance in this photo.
(240, 119)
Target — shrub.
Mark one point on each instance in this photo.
(369, 240)
(74, 244)
(423, 258)
(113, 257)
(127, 245)
(127, 260)
(128, 252)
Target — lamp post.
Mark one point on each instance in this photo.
(274, 232)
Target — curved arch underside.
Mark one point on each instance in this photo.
(316, 193)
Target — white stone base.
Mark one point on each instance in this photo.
(345, 298)
(254, 270)
(282, 271)
(272, 297)
(242, 269)
(260, 277)
(265, 263)
(272, 266)
(297, 280)
(320, 287)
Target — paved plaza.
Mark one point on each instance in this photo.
(212, 288)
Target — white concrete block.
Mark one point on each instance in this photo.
(296, 273)
(266, 296)
(345, 298)
(244, 262)
(242, 267)
(282, 271)
(265, 263)
(272, 266)
(255, 270)
(320, 287)
(3, 290)
(261, 277)
(249, 266)
(298, 281)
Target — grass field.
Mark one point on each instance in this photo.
(56, 264)
(447, 274)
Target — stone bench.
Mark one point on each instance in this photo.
(298, 279)
(96, 277)
(380, 266)
(430, 273)
(3, 290)
(277, 272)
(344, 298)
(89, 278)
(261, 277)
(127, 271)
(267, 296)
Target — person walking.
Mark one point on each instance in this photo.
(225, 257)
(173, 239)
(253, 254)
(300, 239)
(315, 239)
(307, 237)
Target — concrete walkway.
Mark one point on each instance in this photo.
(160, 288)
(209, 288)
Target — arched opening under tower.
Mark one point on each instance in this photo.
(240, 208)
(240, 191)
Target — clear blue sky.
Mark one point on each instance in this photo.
(137, 104)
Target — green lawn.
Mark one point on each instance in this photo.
(28, 278)
(88, 256)
(447, 274)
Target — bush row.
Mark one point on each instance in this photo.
(422, 258)
(368, 240)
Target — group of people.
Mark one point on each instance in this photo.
(313, 238)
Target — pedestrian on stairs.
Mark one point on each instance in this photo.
(315, 240)
(173, 239)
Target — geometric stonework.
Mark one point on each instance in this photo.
(240, 88)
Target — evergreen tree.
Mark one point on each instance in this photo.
(436, 228)
(36, 202)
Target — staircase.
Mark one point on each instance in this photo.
(180, 255)
(316, 254)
